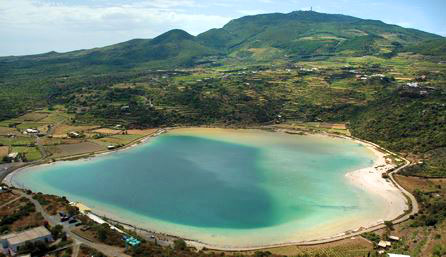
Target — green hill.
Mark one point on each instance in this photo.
(304, 33)
(301, 34)
(171, 49)
(435, 47)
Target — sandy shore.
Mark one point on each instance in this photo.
(368, 179)
(371, 180)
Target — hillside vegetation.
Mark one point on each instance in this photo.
(301, 34)
(435, 47)
(307, 34)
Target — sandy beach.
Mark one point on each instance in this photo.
(368, 179)
(371, 179)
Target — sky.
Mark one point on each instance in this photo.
(39, 26)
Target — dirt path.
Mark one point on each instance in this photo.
(76, 249)
(13, 200)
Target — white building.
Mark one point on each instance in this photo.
(11, 243)
(74, 134)
(13, 155)
(32, 131)
(384, 244)
(394, 238)
(397, 255)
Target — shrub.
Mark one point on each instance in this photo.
(179, 244)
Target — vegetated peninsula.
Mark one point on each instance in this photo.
(298, 73)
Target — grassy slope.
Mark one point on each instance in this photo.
(436, 47)
(311, 33)
(173, 48)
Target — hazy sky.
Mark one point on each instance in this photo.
(38, 26)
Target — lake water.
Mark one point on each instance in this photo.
(224, 187)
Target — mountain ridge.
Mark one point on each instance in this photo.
(263, 37)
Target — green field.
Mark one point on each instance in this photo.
(31, 153)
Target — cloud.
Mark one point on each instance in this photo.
(28, 13)
(95, 24)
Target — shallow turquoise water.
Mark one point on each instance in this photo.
(217, 184)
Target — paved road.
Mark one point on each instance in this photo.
(5, 170)
(106, 249)
(76, 249)
(41, 148)
(413, 201)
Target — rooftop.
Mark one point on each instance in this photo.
(21, 237)
(13, 155)
(397, 255)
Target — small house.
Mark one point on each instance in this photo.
(74, 134)
(14, 157)
(11, 243)
(412, 84)
(397, 255)
(32, 131)
(394, 238)
(384, 244)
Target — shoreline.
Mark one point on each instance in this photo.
(369, 178)
(83, 156)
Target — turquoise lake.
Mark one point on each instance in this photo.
(224, 187)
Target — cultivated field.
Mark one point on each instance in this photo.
(26, 216)
(74, 149)
(17, 141)
(414, 183)
(33, 116)
(60, 141)
(31, 153)
(4, 131)
(353, 247)
(416, 240)
(143, 132)
(4, 150)
(107, 131)
(62, 130)
(118, 139)
(6, 197)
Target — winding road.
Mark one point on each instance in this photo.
(106, 249)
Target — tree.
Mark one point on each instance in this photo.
(56, 231)
(262, 254)
(179, 244)
(102, 232)
(72, 210)
(388, 224)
